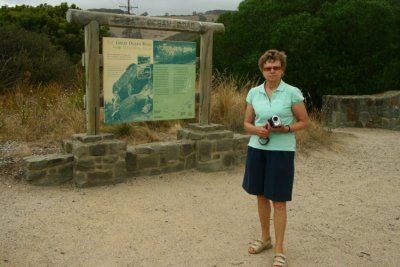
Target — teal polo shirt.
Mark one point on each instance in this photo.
(281, 102)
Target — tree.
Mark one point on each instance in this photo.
(333, 47)
(363, 47)
(45, 19)
(29, 55)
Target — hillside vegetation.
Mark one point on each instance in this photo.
(333, 47)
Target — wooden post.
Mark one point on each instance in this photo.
(92, 77)
(206, 51)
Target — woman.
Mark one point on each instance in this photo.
(269, 169)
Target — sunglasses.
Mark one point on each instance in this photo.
(275, 68)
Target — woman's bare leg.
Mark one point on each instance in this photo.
(264, 214)
(280, 220)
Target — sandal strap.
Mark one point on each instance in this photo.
(279, 260)
(280, 255)
(258, 242)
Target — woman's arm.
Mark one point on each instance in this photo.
(302, 119)
(249, 126)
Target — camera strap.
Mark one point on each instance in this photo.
(263, 141)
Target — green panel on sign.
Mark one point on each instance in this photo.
(173, 86)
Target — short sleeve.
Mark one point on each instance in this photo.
(297, 96)
(249, 98)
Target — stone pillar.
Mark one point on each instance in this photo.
(98, 159)
(214, 146)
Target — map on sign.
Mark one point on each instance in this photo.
(146, 80)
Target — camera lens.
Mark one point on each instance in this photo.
(275, 118)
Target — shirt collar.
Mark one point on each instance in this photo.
(279, 88)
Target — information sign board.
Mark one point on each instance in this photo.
(147, 80)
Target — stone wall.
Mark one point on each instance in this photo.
(160, 157)
(49, 169)
(366, 111)
(216, 149)
(98, 159)
(92, 160)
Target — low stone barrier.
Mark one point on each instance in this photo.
(366, 111)
(162, 157)
(214, 146)
(49, 169)
(92, 160)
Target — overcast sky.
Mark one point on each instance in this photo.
(153, 7)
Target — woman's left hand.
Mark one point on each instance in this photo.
(281, 129)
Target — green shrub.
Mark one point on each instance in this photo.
(31, 56)
(333, 46)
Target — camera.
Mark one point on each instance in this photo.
(275, 121)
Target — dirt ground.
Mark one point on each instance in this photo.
(345, 212)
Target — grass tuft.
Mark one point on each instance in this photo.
(228, 100)
(315, 135)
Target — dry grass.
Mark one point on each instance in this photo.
(228, 100)
(36, 113)
(316, 134)
(52, 113)
(143, 132)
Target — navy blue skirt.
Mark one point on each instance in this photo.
(269, 173)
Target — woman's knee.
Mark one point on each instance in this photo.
(279, 205)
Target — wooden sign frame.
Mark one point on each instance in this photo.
(92, 21)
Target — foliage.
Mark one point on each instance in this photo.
(333, 47)
(48, 20)
(12, 68)
(28, 55)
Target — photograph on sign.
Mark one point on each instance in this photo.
(146, 80)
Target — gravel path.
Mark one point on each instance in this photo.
(345, 212)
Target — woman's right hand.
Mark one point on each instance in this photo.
(263, 131)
